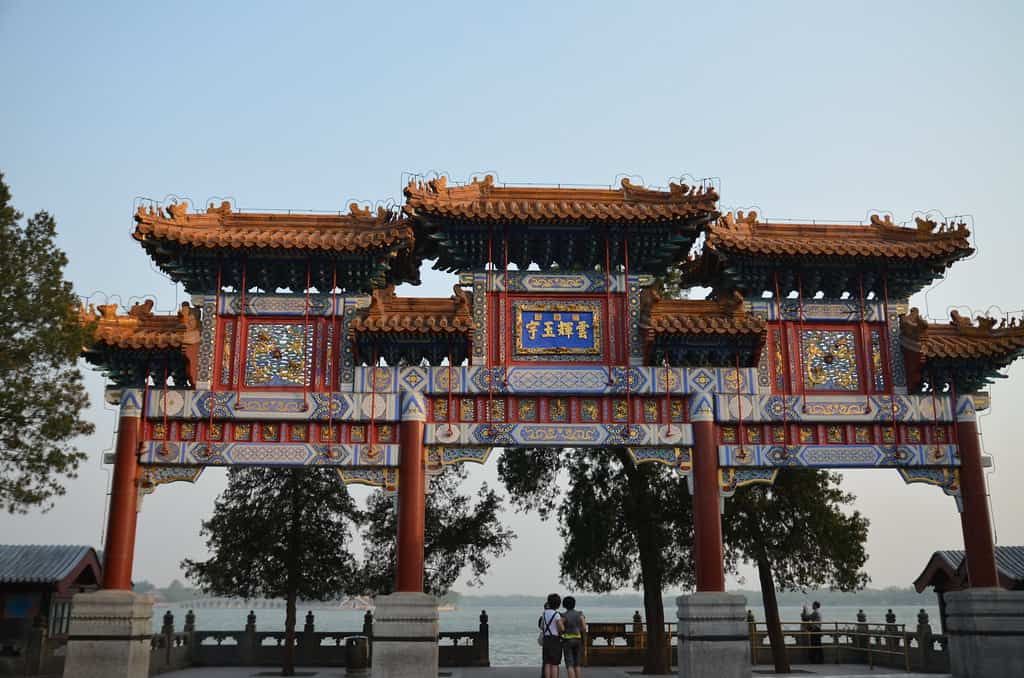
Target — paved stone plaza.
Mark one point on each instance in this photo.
(846, 670)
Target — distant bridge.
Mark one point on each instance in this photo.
(358, 603)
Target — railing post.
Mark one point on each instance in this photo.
(167, 631)
(924, 639)
(484, 641)
(247, 648)
(368, 632)
(636, 637)
(890, 630)
(752, 625)
(190, 629)
(835, 639)
(862, 630)
(307, 641)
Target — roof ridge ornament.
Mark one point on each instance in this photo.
(178, 211)
(223, 210)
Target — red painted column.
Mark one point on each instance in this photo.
(411, 498)
(119, 549)
(977, 525)
(707, 517)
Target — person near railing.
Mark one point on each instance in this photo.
(817, 654)
(551, 627)
(572, 637)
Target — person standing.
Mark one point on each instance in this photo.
(817, 654)
(572, 637)
(551, 627)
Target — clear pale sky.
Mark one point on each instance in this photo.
(803, 110)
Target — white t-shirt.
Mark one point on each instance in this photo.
(550, 621)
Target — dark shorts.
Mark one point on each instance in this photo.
(572, 648)
(551, 651)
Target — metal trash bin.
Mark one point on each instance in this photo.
(357, 656)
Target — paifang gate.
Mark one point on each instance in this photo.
(804, 355)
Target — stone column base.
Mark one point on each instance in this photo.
(986, 632)
(714, 637)
(405, 632)
(109, 635)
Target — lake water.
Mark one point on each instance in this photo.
(512, 628)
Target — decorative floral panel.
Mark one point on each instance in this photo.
(620, 410)
(559, 409)
(650, 411)
(590, 410)
(440, 409)
(527, 409)
(877, 368)
(829, 359)
(779, 366)
(275, 355)
(467, 410)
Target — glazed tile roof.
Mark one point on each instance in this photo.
(881, 239)
(39, 563)
(483, 200)
(389, 313)
(220, 227)
(140, 328)
(961, 339)
(1009, 563)
(696, 317)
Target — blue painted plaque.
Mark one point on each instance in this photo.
(556, 328)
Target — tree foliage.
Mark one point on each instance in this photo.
(41, 391)
(623, 524)
(280, 533)
(459, 533)
(799, 536)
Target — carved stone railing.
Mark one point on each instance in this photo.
(322, 648)
(888, 644)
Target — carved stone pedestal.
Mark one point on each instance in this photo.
(109, 635)
(405, 629)
(986, 632)
(714, 637)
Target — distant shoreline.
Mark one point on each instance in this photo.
(874, 597)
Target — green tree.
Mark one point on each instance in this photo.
(280, 533)
(799, 536)
(41, 392)
(458, 532)
(177, 592)
(144, 586)
(623, 524)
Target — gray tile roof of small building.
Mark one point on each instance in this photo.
(1009, 560)
(39, 563)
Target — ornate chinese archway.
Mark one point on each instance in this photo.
(804, 355)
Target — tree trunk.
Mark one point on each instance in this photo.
(293, 575)
(656, 660)
(288, 663)
(771, 613)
